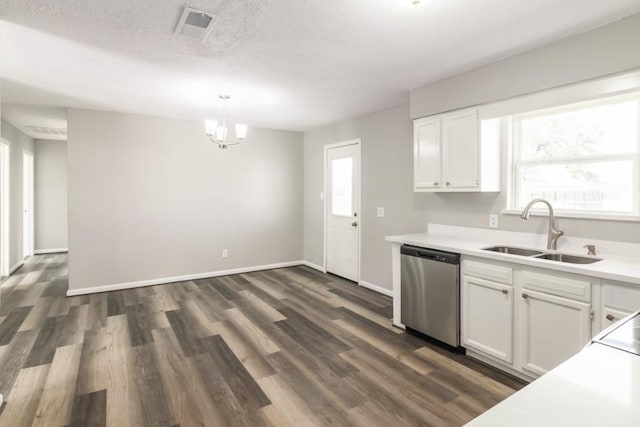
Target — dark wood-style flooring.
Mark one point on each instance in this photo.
(282, 347)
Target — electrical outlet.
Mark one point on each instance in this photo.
(380, 212)
(493, 221)
(225, 253)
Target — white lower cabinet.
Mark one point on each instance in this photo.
(487, 313)
(612, 315)
(618, 301)
(524, 320)
(552, 329)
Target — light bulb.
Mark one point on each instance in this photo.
(241, 131)
(210, 127)
(221, 133)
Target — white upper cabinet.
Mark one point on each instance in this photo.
(456, 152)
(427, 153)
(460, 140)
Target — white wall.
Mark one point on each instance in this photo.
(152, 197)
(18, 141)
(50, 195)
(387, 166)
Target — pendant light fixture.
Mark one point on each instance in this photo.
(218, 133)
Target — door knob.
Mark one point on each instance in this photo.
(610, 317)
(354, 224)
(525, 296)
(504, 291)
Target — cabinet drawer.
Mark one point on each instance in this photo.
(488, 271)
(557, 285)
(625, 298)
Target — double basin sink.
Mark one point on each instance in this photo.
(552, 256)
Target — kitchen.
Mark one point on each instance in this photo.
(280, 213)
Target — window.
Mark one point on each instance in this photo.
(583, 158)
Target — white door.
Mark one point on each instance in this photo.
(4, 209)
(487, 317)
(27, 204)
(343, 216)
(460, 156)
(427, 164)
(552, 329)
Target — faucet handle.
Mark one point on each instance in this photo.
(591, 249)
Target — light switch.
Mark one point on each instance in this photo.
(380, 212)
(225, 253)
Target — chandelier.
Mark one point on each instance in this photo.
(219, 134)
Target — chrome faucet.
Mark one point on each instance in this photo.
(554, 235)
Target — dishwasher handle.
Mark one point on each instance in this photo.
(430, 254)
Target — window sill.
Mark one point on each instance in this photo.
(578, 215)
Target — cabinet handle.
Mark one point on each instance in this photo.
(525, 296)
(435, 183)
(610, 317)
(504, 291)
(447, 183)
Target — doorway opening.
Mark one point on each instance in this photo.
(27, 204)
(342, 221)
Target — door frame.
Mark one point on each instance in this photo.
(357, 142)
(31, 202)
(5, 212)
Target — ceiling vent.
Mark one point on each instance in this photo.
(195, 23)
(45, 130)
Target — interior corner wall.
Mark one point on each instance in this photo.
(153, 198)
(18, 142)
(50, 185)
(387, 150)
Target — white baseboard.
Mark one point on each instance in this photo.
(164, 280)
(314, 266)
(376, 288)
(15, 267)
(50, 251)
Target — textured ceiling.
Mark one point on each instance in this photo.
(288, 64)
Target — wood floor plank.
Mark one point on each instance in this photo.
(124, 406)
(283, 347)
(56, 402)
(22, 400)
(89, 410)
(12, 323)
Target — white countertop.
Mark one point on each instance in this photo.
(468, 241)
(600, 386)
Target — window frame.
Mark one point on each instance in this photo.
(516, 164)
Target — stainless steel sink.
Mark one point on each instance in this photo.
(513, 251)
(571, 259)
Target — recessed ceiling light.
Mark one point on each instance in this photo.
(409, 3)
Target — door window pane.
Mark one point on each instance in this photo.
(341, 186)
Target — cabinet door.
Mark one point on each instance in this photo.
(552, 329)
(487, 318)
(460, 146)
(427, 162)
(612, 315)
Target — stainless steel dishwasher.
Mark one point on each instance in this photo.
(430, 293)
